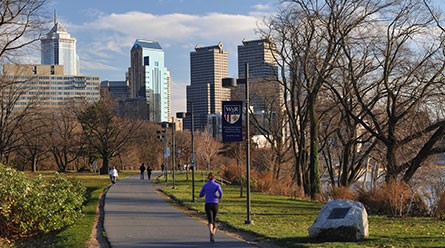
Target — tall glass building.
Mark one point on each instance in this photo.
(149, 79)
(58, 48)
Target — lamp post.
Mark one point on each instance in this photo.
(162, 137)
(192, 157)
(232, 82)
(173, 151)
(165, 125)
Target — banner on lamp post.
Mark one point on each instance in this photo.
(232, 125)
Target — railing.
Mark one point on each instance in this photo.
(223, 181)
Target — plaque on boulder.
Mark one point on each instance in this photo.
(338, 213)
(340, 220)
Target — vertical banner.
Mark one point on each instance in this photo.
(232, 125)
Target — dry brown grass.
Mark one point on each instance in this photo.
(343, 193)
(262, 181)
(265, 182)
(440, 210)
(394, 198)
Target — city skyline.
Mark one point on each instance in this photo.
(105, 33)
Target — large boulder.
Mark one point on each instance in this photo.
(340, 220)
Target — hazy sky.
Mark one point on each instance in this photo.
(106, 30)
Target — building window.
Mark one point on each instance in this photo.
(146, 60)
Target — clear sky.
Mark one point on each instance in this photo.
(106, 30)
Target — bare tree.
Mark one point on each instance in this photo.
(400, 101)
(12, 114)
(207, 148)
(308, 35)
(147, 144)
(64, 137)
(236, 151)
(345, 145)
(21, 24)
(104, 131)
(32, 146)
(183, 148)
(271, 122)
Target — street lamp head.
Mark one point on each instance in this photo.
(229, 82)
(165, 124)
(181, 115)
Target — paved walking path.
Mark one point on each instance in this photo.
(137, 216)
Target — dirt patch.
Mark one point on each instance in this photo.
(97, 235)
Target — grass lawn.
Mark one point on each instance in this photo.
(78, 234)
(285, 220)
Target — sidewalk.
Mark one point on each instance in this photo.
(137, 216)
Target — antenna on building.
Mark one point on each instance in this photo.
(55, 17)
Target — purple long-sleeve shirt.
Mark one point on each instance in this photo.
(212, 192)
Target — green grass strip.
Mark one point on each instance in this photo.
(285, 221)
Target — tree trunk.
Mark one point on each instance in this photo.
(104, 168)
(314, 160)
(345, 163)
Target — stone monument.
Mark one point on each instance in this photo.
(340, 220)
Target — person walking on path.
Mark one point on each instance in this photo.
(149, 170)
(212, 192)
(142, 169)
(113, 175)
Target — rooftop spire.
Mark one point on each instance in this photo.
(55, 17)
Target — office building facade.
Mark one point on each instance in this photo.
(149, 80)
(265, 89)
(48, 87)
(117, 90)
(208, 65)
(59, 48)
(260, 57)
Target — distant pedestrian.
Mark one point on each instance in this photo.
(113, 175)
(162, 167)
(149, 170)
(142, 169)
(212, 192)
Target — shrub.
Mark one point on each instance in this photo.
(440, 209)
(13, 191)
(397, 194)
(233, 173)
(394, 198)
(342, 193)
(30, 206)
(261, 181)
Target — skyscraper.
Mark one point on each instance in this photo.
(58, 48)
(259, 55)
(149, 79)
(263, 72)
(266, 91)
(208, 65)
